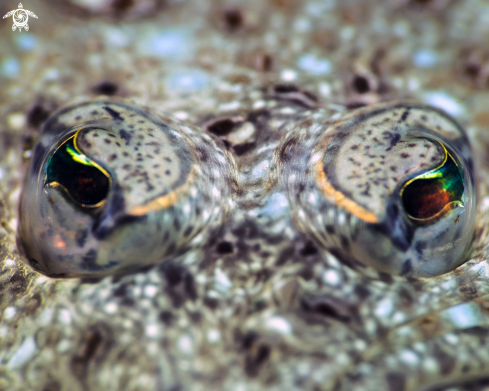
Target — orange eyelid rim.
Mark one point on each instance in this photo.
(339, 198)
(165, 201)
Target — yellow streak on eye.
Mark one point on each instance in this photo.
(339, 198)
(165, 201)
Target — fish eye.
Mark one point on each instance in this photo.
(115, 187)
(390, 186)
(434, 192)
(82, 179)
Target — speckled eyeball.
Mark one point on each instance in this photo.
(113, 187)
(390, 186)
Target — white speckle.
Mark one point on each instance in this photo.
(169, 44)
(10, 68)
(408, 357)
(451, 338)
(444, 101)
(399, 317)
(9, 313)
(279, 324)
(384, 308)
(4, 331)
(64, 317)
(51, 74)
(303, 368)
(115, 37)
(240, 387)
(215, 192)
(360, 345)
(186, 80)
(181, 115)
(222, 281)
(9, 262)
(243, 133)
(430, 365)
(46, 317)
(419, 346)
(325, 89)
(342, 358)
(260, 170)
(63, 346)
(288, 75)
(425, 58)
(16, 121)
(341, 219)
(301, 25)
(185, 344)
(111, 308)
(331, 277)
(485, 202)
(152, 330)
(259, 104)
(150, 291)
(287, 110)
(313, 65)
(464, 315)
(186, 208)
(23, 354)
(213, 335)
(347, 33)
(26, 42)
(229, 106)
(277, 203)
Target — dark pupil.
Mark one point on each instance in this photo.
(425, 197)
(84, 182)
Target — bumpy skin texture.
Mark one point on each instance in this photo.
(261, 306)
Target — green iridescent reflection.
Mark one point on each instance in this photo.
(429, 193)
(85, 181)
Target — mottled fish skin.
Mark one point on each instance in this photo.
(273, 299)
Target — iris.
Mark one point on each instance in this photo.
(84, 180)
(428, 194)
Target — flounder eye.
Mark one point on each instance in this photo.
(390, 186)
(428, 195)
(114, 187)
(83, 180)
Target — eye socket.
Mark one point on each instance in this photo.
(84, 181)
(426, 196)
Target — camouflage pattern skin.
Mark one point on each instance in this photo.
(269, 300)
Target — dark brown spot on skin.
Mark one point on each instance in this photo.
(125, 154)
(411, 145)
(233, 18)
(405, 155)
(393, 168)
(112, 157)
(422, 155)
(354, 147)
(168, 159)
(361, 84)
(105, 88)
(168, 172)
(221, 127)
(107, 141)
(434, 159)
